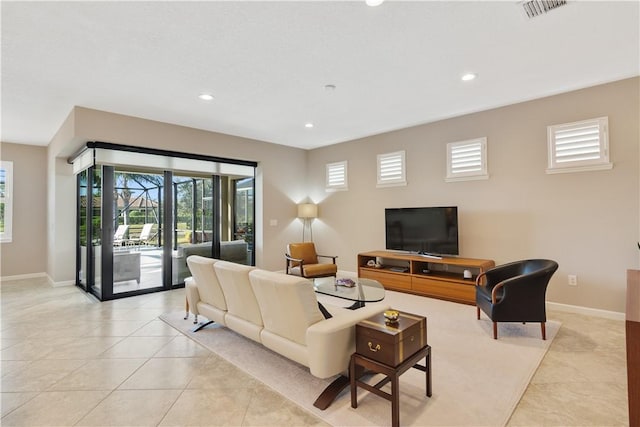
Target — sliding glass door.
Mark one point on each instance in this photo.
(243, 209)
(193, 222)
(136, 224)
(137, 252)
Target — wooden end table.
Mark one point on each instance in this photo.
(381, 341)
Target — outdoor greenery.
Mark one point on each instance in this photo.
(137, 203)
(136, 187)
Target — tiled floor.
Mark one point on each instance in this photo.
(66, 360)
(582, 380)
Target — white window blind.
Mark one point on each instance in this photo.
(336, 176)
(6, 201)
(579, 146)
(467, 160)
(391, 169)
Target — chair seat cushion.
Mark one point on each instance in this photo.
(485, 293)
(315, 270)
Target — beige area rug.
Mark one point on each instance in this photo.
(477, 381)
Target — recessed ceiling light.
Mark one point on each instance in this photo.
(308, 125)
(469, 76)
(206, 96)
(374, 3)
(329, 88)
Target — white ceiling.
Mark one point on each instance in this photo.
(267, 63)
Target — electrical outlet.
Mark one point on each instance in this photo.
(573, 280)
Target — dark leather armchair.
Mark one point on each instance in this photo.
(515, 292)
(302, 260)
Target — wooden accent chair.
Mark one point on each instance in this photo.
(302, 260)
(515, 292)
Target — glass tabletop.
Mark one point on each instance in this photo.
(359, 290)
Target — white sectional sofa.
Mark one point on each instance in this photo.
(279, 311)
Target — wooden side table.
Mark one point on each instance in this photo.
(383, 353)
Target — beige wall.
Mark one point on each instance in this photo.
(26, 254)
(586, 221)
(280, 178)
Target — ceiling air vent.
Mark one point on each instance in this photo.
(535, 8)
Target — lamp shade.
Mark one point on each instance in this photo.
(307, 210)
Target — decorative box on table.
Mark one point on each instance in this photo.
(391, 343)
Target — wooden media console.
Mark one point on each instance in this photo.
(442, 278)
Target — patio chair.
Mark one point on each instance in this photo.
(119, 235)
(145, 235)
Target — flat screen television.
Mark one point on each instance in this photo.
(426, 230)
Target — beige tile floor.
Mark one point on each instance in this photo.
(68, 361)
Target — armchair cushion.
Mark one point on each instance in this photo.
(304, 251)
(317, 270)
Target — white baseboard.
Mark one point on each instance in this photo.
(50, 281)
(587, 311)
(60, 284)
(24, 276)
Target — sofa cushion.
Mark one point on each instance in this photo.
(234, 281)
(288, 304)
(208, 285)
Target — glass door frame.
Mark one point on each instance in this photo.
(86, 159)
(87, 213)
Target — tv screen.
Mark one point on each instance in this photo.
(427, 230)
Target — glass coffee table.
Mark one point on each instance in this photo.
(358, 290)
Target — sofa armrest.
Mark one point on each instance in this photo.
(193, 296)
(331, 342)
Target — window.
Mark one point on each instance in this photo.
(6, 201)
(337, 176)
(579, 146)
(391, 169)
(467, 160)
